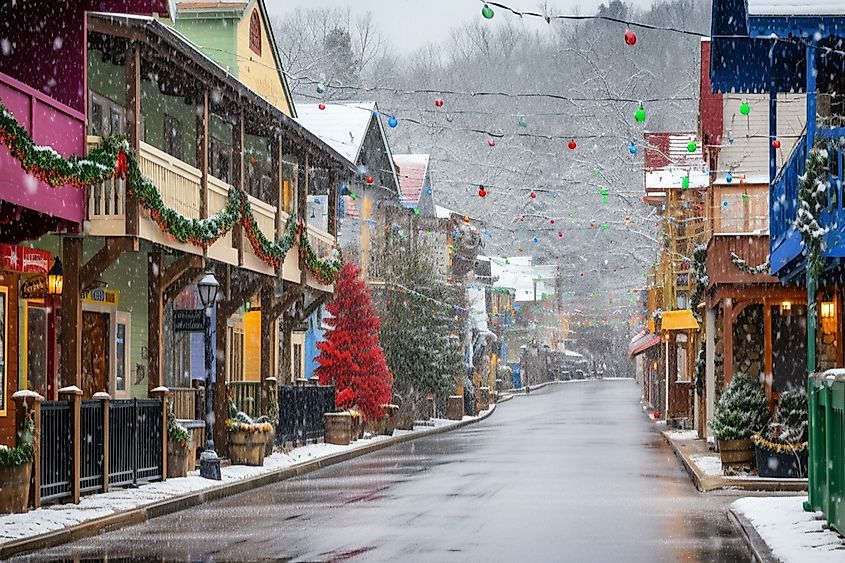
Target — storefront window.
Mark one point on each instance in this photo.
(36, 349)
(120, 358)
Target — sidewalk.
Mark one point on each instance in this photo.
(60, 523)
(778, 529)
(705, 467)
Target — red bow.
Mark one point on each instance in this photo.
(120, 169)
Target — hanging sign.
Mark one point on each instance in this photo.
(189, 320)
(34, 288)
(22, 259)
(100, 296)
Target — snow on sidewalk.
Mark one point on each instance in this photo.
(792, 534)
(55, 517)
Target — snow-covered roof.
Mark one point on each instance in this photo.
(571, 354)
(674, 178)
(520, 274)
(795, 7)
(442, 212)
(343, 125)
(413, 169)
(668, 161)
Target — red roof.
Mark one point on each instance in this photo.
(412, 172)
(643, 343)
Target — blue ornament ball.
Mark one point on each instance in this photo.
(392, 122)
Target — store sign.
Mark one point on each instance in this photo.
(22, 259)
(34, 288)
(100, 296)
(189, 320)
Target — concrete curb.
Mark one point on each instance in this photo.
(182, 502)
(707, 483)
(759, 548)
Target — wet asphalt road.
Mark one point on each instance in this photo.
(571, 473)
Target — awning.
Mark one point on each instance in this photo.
(643, 343)
(679, 320)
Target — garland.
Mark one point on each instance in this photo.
(325, 270)
(743, 266)
(699, 267)
(271, 252)
(812, 199)
(778, 447)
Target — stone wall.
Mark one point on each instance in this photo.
(748, 341)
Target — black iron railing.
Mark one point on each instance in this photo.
(135, 443)
(301, 410)
(56, 449)
(91, 446)
(149, 449)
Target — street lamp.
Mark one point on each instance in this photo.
(209, 461)
(55, 278)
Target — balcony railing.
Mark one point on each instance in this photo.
(786, 243)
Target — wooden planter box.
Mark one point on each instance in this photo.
(14, 488)
(736, 455)
(391, 414)
(338, 428)
(179, 460)
(247, 448)
(455, 407)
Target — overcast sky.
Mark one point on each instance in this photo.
(413, 23)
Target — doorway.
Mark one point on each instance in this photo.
(95, 352)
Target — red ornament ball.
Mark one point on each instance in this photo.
(630, 37)
(552, 221)
(560, 234)
(321, 106)
(439, 102)
(491, 142)
(776, 144)
(466, 219)
(572, 145)
(533, 195)
(370, 179)
(482, 192)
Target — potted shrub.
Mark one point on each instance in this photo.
(742, 412)
(178, 447)
(781, 451)
(273, 419)
(16, 470)
(391, 412)
(247, 438)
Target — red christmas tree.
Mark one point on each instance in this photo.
(350, 356)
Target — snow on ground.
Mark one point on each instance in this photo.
(792, 534)
(709, 464)
(683, 434)
(55, 517)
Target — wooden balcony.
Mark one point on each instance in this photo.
(181, 189)
(753, 248)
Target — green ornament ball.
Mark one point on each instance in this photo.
(692, 146)
(744, 108)
(640, 115)
(685, 182)
(487, 12)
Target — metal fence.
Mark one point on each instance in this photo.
(91, 446)
(301, 410)
(56, 449)
(135, 442)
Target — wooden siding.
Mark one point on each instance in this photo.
(754, 249)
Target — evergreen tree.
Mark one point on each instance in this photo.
(351, 357)
(789, 425)
(742, 411)
(421, 329)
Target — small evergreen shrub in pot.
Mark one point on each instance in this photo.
(781, 450)
(742, 412)
(247, 437)
(178, 447)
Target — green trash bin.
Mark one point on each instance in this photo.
(836, 455)
(816, 472)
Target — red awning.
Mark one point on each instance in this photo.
(642, 344)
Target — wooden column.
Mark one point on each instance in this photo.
(202, 154)
(73, 395)
(155, 320)
(105, 401)
(768, 361)
(71, 313)
(267, 332)
(162, 394)
(332, 202)
(220, 402)
(727, 335)
(133, 125)
(302, 214)
(238, 178)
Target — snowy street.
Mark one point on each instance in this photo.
(572, 472)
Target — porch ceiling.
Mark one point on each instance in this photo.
(679, 320)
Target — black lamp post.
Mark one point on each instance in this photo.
(209, 461)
